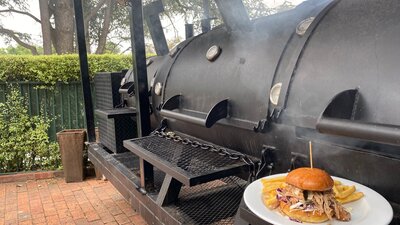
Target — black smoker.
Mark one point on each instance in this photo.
(244, 99)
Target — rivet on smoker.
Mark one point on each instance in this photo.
(274, 93)
(213, 53)
(158, 88)
(173, 51)
(149, 62)
(302, 27)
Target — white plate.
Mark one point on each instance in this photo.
(370, 209)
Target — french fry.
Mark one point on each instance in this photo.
(346, 192)
(351, 198)
(335, 191)
(271, 203)
(274, 185)
(341, 187)
(275, 179)
(336, 182)
(269, 193)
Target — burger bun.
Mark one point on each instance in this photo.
(301, 215)
(310, 179)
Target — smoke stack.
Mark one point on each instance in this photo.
(234, 15)
(152, 17)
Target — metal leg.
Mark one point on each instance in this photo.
(87, 96)
(169, 191)
(146, 176)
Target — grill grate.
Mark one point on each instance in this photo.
(193, 160)
(214, 202)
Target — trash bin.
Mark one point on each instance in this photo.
(72, 143)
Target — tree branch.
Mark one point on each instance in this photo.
(179, 3)
(21, 12)
(14, 36)
(93, 12)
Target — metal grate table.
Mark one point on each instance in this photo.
(187, 164)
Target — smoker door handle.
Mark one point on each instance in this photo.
(382, 133)
(338, 119)
(217, 112)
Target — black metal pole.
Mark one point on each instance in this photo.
(87, 95)
(205, 22)
(189, 30)
(140, 68)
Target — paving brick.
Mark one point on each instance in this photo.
(11, 222)
(106, 217)
(112, 223)
(39, 220)
(81, 222)
(52, 201)
(77, 214)
(26, 222)
(137, 220)
(91, 216)
(67, 221)
(122, 219)
(39, 215)
(10, 215)
(52, 219)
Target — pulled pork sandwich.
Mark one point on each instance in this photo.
(308, 197)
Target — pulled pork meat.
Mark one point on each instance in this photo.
(313, 201)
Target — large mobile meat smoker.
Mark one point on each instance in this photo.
(242, 101)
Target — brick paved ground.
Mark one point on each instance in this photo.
(53, 201)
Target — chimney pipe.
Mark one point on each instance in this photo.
(234, 15)
(189, 31)
(151, 15)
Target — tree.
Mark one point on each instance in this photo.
(57, 23)
(106, 21)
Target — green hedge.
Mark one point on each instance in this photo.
(57, 68)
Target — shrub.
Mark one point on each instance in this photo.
(24, 143)
(57, 68)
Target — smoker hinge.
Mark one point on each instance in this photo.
(297, 160)
(275, 113)
(266, 166)
(261, 126)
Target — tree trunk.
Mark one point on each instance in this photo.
(64, 26)
(106, 27)
(45, 23)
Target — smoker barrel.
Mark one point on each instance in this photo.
(314, 51)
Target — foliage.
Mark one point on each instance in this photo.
(24, 143)
(18, 50)
(57, 68)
